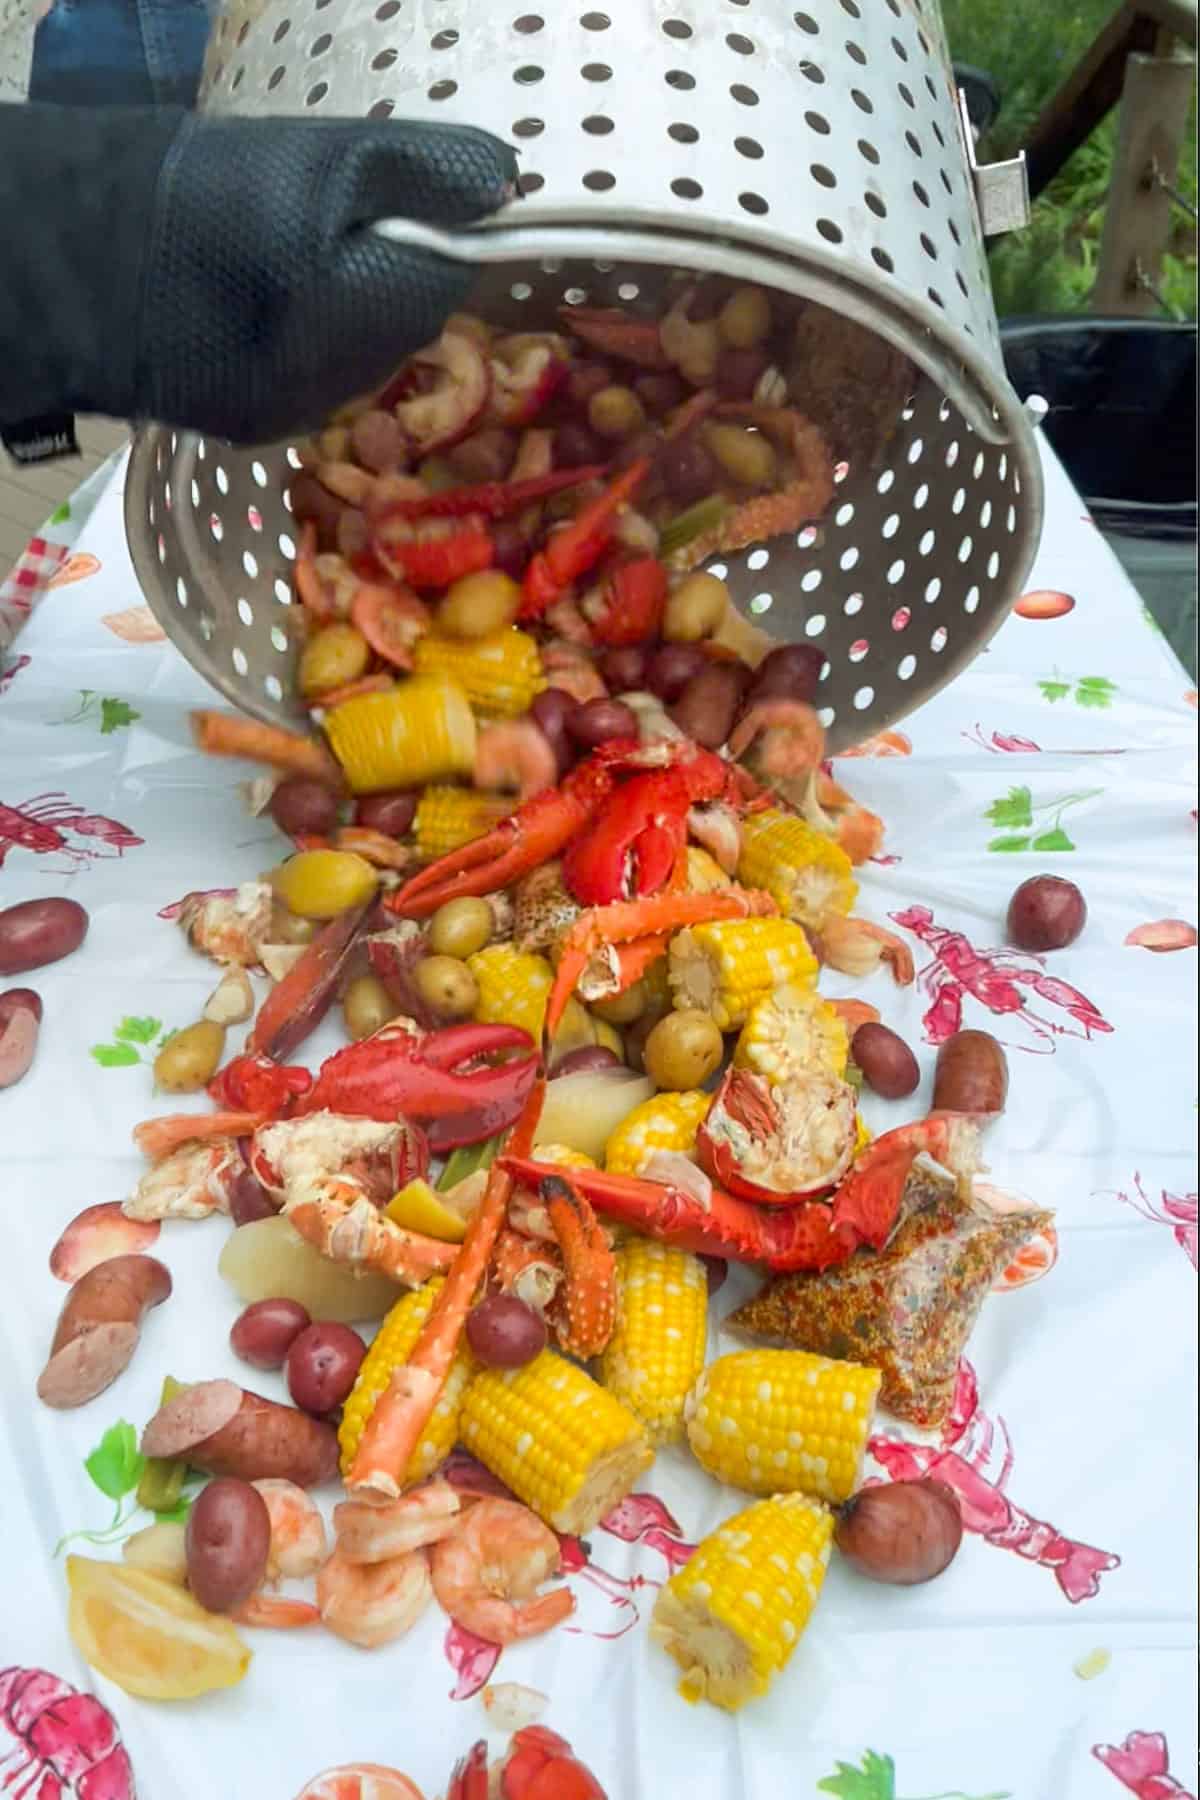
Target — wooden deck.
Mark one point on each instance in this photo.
(29, 496)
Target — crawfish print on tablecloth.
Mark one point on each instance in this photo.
(975, 1459)
(874, 1778)
(957, 971)
(58, 1744)
(1179, 1211)
(1142, 1764)
(1026, 826)
(46, 824)
(638, 1519)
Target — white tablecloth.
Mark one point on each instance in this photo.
(1069, 746)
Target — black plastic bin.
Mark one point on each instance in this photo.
(1122, 399)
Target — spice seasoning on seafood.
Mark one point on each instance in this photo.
(909, 1308)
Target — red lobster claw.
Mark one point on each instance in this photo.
(399, 1073)
(469, 1777)
(256, 1084)
(542, 1766)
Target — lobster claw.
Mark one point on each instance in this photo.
(542, 1766)
(399, 1073)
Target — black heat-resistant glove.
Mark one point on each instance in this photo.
(216, 273)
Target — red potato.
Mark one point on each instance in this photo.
(99, 1327)
(888, 1066)
(36, 932)
(20, 1022)
(971, 1074)
(1046, 912)
(97, 1235)
(322, 1366)
(228, 1540)
(264, 1332)
(224, 1429)
(708, 705)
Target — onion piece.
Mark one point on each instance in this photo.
(582, 1110)
(674, 1169)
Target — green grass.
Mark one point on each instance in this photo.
(1029, 47)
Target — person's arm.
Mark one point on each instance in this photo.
(218, 273)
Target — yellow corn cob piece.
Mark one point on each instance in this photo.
(564, 1445)
(704, 872)
(734, 1613)
(499, 674)
(392, 1346)
(781, 1421)
(727, 967)
(807, 875)
(793, 1032)
(664, 1122)
(657, 1350)
(563, 1157)
(422, 730)
(514, 986)
(449, 817)
(862, 1136)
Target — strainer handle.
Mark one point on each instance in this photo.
(490, 246)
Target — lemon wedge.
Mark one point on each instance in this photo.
(148, 1635)
(418, 1208)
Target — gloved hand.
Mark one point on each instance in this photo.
(218, 273)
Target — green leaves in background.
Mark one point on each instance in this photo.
(1016, 813)
(1094, 691)
(875, 1779)
(111, 712)
(116, 1464)
(131, 1036)
(61, 514)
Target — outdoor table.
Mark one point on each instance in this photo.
(1055, 1660)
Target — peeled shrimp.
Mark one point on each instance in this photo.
(369, 1604)
(374, 1534)
(487, 1573)
(514, 754)
(788, 739)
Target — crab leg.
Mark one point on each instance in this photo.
(228, 734)
(627, 920)
(405, 1406)
(335, 1216)
(784, 1237)
(585, 1311)
(614, 967)
(868, 1199)
(535, 834)
(160, 1137)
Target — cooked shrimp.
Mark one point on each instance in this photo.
(514, 754)
(276, 1612)
(788, 738)
(298, 1545)
(568, 666)
(486, 1575)
(373, 1534)
(369, 1604)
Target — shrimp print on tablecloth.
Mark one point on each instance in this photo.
(45, 825)
(964, 1460)
(1142, 1764)
(638, 1519)
(58, 1744)
(958, 971)
(1179, 1211)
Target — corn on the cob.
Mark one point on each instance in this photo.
(392, 1346)
(704, 872)
(781, 1421)
(563, 1157)
(806, 873)
(514, 986)
(657, 1350)
(449, 817)
(422, 730)
(664, 1122)
(562, 1444)
(734, 1613)
(793, 1032)
(862, 1135)
(727, 967)
(500, 674)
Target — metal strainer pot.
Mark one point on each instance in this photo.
(823, 154)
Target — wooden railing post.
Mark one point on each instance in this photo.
(1137, 220)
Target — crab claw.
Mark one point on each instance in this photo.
(868, 1201)
(806, 1236)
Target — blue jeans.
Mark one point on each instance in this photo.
(120, 52)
